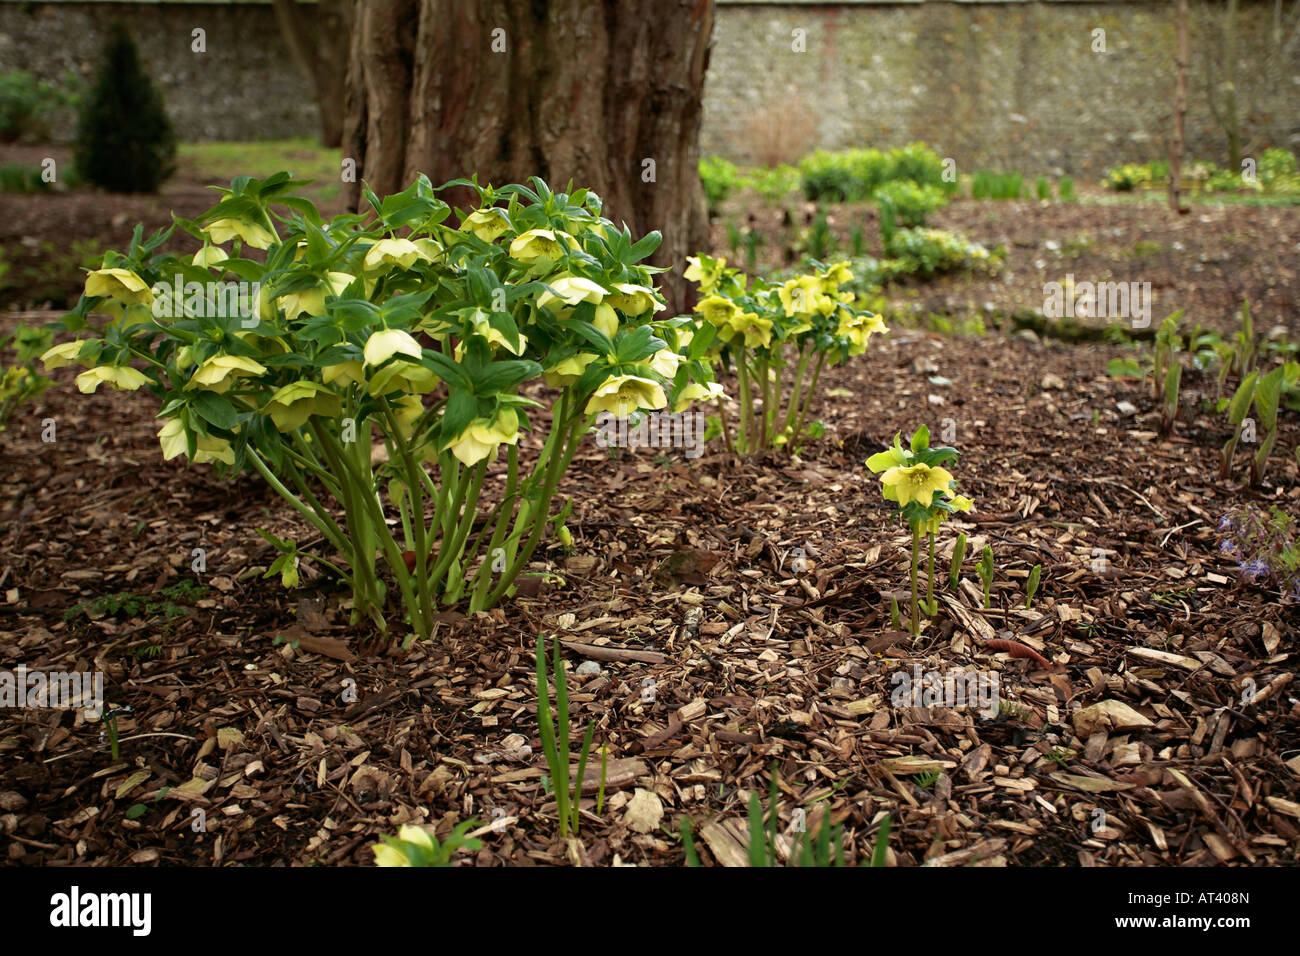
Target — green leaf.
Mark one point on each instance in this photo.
(215, 409)
(135, 811)
(1267, 392)
(921, 439)
(1241, 399)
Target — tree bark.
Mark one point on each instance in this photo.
(320, 50)
(1180, 112)
(605, 93)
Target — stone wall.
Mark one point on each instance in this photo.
(1004, 85)
(1010, 84)
(244, 87)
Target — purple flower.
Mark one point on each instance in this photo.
(1228, 548)
(1253, 570)
(1225, 523)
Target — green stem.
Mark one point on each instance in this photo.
(929, 590)
(916, 549)
(812, 393)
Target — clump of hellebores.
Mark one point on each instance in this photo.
(926, 495)
(390, 364)
(747, 324)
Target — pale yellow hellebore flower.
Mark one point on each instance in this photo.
(122, 285)
(123, 378)
(622, 395)
(219, 372)
(253, 234)
(207, 448)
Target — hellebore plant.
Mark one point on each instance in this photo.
(750, 322)
(21, 383)
(925, 492)
(381, 362)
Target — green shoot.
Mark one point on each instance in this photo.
(1032, 587)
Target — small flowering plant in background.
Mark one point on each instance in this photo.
(925, 492)
(750, 323)
(21, 382)
(380, 365)
(1263, 545)
(416, 846)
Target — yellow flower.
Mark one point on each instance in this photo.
(482, 327)
(756, 330)
(895, 457)
(293, 404)
(800, 296)
(858, 329)
(696, 393)
(120, 284)
(253, 234)
(634, 300)
(209, 256)
(123, 378)
(207, 448)
(386, 855)
(61, 355)
(838, 274)
(393, 254)
(705, 271)
(917, 482)
(568, 371)
(402, 376)
(665, 362)
(218, 373)
(622, 395)
(487, 224)
(312, 301)
(483, 437)
(406, 410)
(717, 310)
(605, 319)
(931, 524)
(349, 373)
(569, 290)
(430, 249)
(386, 343)
(539, 247)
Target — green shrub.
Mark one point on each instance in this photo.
(720, 178)
(911, 203)
(991, 185)
(16, 178)
(24, 102)
(1043, 188)
(125, 143)
(1065, 189)
(773, 184)
(853, 175)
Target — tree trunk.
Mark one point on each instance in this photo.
(320, 50)
(1232, 121)
(1180, 112)
(606, 93)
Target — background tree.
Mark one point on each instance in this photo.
(1180, 109)
(319, 45)
(604, 92)
(125, 142)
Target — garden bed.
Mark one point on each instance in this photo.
(302, 743)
